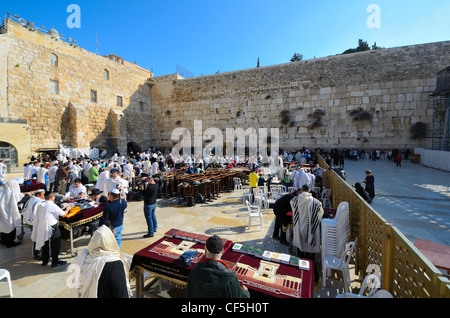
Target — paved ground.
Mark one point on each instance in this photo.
(415, 198)
(226, 217)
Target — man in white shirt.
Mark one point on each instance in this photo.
(77, 191)
(128, 171)
(46, 232)
(118, 183)
(155, 168)
(52, 177)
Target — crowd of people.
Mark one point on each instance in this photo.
(107, 182)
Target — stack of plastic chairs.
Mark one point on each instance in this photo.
(336, 232)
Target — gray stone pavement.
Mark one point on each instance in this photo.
(226, 217)
(415, 198)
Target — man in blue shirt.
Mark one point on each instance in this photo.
(113, 213)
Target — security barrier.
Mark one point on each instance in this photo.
(405, 271)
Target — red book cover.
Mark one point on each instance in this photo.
(178, 234)
(191, 236)
(198, 237)
(204, 238)
(171, 233)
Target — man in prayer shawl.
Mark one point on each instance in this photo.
(41, 171)
(29, 214)
(10, 218)
(103, 181)
(307, 217)
(46, 232)
(128, 171)
(27, 171)
(300, 178)
(103, 271)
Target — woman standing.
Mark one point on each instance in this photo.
(370, 184)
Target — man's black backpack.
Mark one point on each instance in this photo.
(200, 198)
(190, 201)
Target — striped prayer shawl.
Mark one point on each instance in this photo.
(307, 218)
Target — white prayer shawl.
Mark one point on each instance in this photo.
(118, 183)
(128, 169)
(307, 218)
(9, 211)
(42, 230)
(312, 180)
(52, 174)
(146, 167)
(41, 171)
(29, 210)
(86, 168)
(155, 168)
(103, 182)
(101, 249)
(300, 179)
(27, 172)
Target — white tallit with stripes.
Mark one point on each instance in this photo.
(307, 218)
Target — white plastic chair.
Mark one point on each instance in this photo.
(5, 274)
(292, 189)
(382, 293)
(325, 198)
(254, 212)
(246, 193)
(237, 184)
(339, 264)
(371, 281)
(336, 232)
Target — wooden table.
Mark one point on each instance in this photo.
(161, 260)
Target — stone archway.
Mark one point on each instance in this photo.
(18, 137)
(9, 153)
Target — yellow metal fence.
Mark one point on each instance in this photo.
(405, 271)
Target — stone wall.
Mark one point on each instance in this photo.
(69, 117)
(364, 100)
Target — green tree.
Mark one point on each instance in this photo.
(296, 57)
(362, 46)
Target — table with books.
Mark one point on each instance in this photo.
(30, 186)
(264, 273)
(89, 213)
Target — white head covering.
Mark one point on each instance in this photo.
(9, 211)
(102, 248)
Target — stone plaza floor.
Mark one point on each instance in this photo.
(414, 198)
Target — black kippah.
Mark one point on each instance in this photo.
(214, 244)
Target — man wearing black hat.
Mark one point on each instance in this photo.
(98, 198)
(212, 278)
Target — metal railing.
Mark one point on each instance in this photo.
(405, 271)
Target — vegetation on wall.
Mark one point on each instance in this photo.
(418, 130)
(360, 115)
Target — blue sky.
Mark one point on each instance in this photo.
(209, 36)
